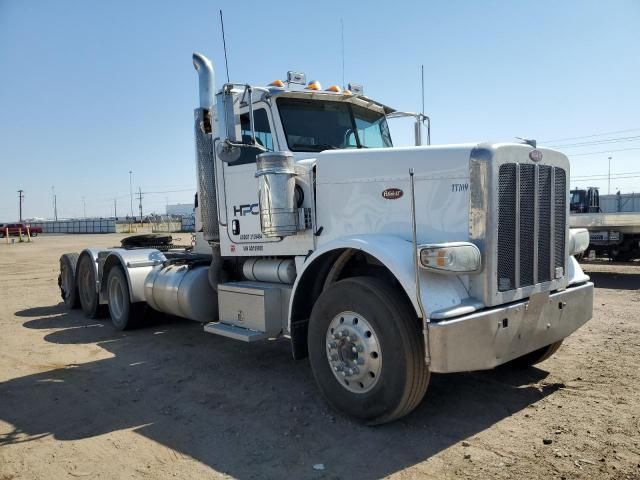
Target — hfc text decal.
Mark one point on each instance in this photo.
(248, 209)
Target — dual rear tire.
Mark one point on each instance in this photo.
(67, 280)
(124, 313)
(78, 287)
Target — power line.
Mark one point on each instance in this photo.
(597, 142)
(591, 135)
(605, 177)
(172, 191)
(604, 151)
(605, 174)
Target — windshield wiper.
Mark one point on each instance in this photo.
(315, 148)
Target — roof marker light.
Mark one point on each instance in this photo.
(356, 88)
(314, 85)
(277, 83)
(334, 88)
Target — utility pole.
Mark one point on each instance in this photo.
(140, 200)
(55, 207)
(609, 189)
(115, 208)
(84, 208)
(20, 199)
(131, 191)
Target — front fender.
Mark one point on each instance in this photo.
(438, 292)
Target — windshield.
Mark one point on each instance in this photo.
(576, 196)
(317, 125)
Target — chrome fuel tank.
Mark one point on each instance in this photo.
(182, 290)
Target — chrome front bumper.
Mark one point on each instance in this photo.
(486, 339)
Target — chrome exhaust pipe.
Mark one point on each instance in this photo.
(207, 80)
(205, 159)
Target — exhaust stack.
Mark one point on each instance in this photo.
(204, 149)
(205, 168)
(207, 80)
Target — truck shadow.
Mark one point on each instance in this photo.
(615, 280)
(245, 410)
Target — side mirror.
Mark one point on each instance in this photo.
(230, 152)
(228, 105)
(233, 148)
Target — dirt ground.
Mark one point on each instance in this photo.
(79, 399)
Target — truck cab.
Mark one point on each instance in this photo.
(585, 200)
(381, 264)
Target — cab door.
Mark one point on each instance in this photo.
(241, 188)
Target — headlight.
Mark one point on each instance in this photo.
(578, 240)
(454, 257)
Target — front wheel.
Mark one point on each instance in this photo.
(536, 356)
(367, 351)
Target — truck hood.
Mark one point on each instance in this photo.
(368, 191)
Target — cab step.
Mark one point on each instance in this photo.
(250, 311)
(237, 333)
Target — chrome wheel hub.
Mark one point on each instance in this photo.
(353, 352)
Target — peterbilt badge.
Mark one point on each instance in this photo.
(392, 193)
(535, 155)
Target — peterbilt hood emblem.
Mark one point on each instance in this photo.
(392, 193)
(535, 155)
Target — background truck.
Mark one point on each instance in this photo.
(380, 264)
(18, 228)
(614, 234)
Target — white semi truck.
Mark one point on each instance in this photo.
(381, 264)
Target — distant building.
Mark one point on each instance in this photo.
(184, 209)
(620, 202)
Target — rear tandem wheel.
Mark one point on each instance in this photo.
(87, 288)
(67, 280)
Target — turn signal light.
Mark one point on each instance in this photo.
(454, 257)
(277, 83)
(314, 85)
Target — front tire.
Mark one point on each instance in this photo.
(537, 356)
(366, 350)
(124, 314)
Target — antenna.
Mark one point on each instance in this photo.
(342, 40)
(422, 72)
(224, 43)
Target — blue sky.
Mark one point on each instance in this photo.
(91, 89)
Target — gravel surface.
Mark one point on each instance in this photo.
(79, 399)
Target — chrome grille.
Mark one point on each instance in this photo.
(544, 223)
(560, 186)
(527, 223)
(507, 223)
(531, 224)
